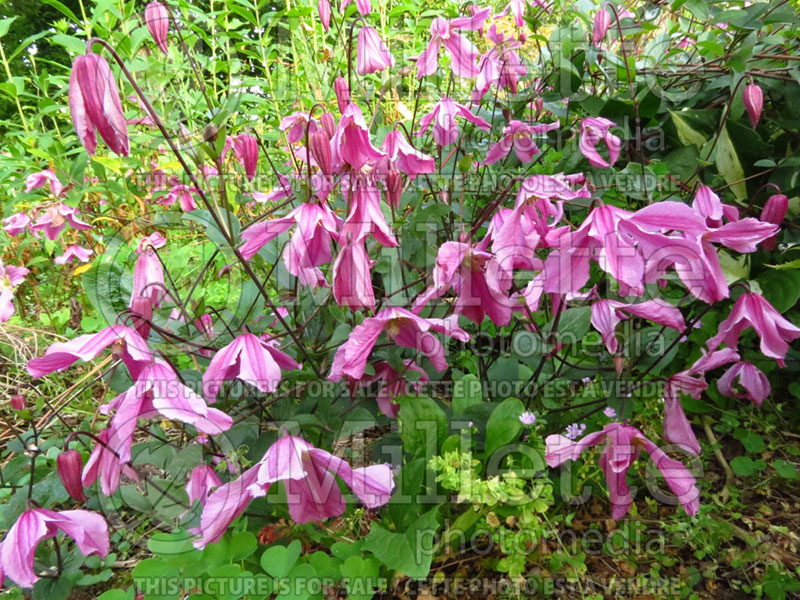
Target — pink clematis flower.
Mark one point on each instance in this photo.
(607, 314)
(753, 99)
(245, 147)
(394, 384)
(500, 66)
(10, 278)
(95, 105)
(324, 10)
(53, 220)
(403, 327)
(126, 343)
(445, 130)
(73, 253)
(202, 480)
(753, 310)
(352, 283)
(156, 18)
(148, 275)
(222, 507)
(16, 223)
(676, 428)
(296, 124)
(309, 476)
(342, 91)
(477, 279)
(463, 53)
(602, 21)
(372, 55)
(774, 211)
(88, 529)
(519, 136)
(104, 464)
(517, 8)
(754, 383)
(350, 144)
(593, 131)
(365, 216)
(184, 194)
(623, 444)
(364, 6)
(405, 157)
(250, 359)
(37, 180)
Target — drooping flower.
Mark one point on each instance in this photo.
(126, 342)
(403, 327)
(245, 147)
(184, 194)
(309, 476)
(148, 275)
(351, 145)
(104, 464)
(774, 211)
(405, 157)
(607, 314)
(463, 53)
(53, 220)
(352, 283)
(89, 530)
(593, 131)
(69, 465)
(372, 55)
(95, 105)
(324, 10)
(16, 223)
(156, 18)
(676, 427)
(754, 383)
(519, 136)
(623, 444)
(753, 99)
(753, 310)
(602, 21)
(250, 359)
(73, 253)
(296, 123)
(222, 507)
(527, 418)
(365, 217)
(37, 180)
(202, 480)
(394, 384)
(445, 130)
(364, 6)
(10, 278)
(477, 279)
(500, 66)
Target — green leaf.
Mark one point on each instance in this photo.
(503, 425)
(52, 589)
(113, 595)
(781, 288)
(423, 424)
(360, 574)
(243, 544)
(753, 443)
(785, 469)
(279, 560)
(687, 134)
(5, 24)
(729, 166)
(744, 466)
(466, 392)
(410, 553)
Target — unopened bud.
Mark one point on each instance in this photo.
(394, 187)
(753, 103)
(328, 123)
(69, 465)
(18, 402)
(320, 147)
(342, 91)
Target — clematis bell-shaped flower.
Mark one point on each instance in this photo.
(309, 476)
(753, 310)
(53, 220)
(69, 465)
(754, 383)
(10, 278)
(184, 194)
(156, 17)
(16, 223)
(445, 130)
(202, 480)
(365, 216)
(250, 359)
(222, 507)
(405, 157)
(402, 326)
(352, 283)
(519, 136)
(463, 53)
(148, 275)
(130, 346)
(351, 145)
(37, 180)
(607, 314)
(73, 253)
(372, 55)
(602, 21)
(593, 131)
(774, 211)
(245, 147)
(623, 444)
(753, 99)
(500, 66)
(364, 6)
(95, 105)
(394, 384)
(104, 464)
(89, 530)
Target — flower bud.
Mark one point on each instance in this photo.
(328, 123)
(320, 147)
(70, 464)
(342, 93)
(324, 8)
(142, 311)
(18, 402)
(394, 187)
(156, 18)
(753, 102)
(774, 212)
(602, 20)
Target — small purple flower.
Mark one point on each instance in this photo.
(527, 418)
(610, 412)
(575, 430)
